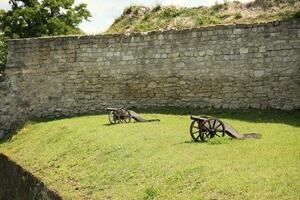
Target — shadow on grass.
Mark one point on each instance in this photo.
(109, 124)
(213, 141)
(249, 115)
(188, 142)
(13, 130)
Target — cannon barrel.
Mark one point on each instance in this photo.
(112, 109)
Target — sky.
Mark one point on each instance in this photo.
(104, 12)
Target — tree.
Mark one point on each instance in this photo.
(35, 18)
(3, 48)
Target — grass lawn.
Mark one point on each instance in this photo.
(85, 158)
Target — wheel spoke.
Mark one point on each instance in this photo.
(205, 127)
(209, 125)
(214, 124)
(218, 126)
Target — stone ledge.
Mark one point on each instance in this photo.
(203, 28)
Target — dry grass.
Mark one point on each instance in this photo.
(139, 18)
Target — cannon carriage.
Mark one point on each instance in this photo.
(123, 115)
(118, 115)
(203, 128)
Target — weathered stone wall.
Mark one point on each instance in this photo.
(18, 184)
(12, 110)
(234, 66)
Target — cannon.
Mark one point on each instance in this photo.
(123, 115)
(118, 115)
(203, 128)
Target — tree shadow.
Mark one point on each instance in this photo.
(13, 131)
(249, 115)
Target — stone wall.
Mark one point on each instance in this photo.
(13, 113)
(18, 184)
(232, 66)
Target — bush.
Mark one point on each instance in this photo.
(156, 8)
(289, 14)
(238, 15)
(171, 12)
(297, 14)
(3, 52)
(218, 6)
(204, 20)
(128, 10)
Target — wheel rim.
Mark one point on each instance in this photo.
(211, 128)
(195, 131)
(112, 117)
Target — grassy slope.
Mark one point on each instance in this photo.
(138, 18)
(84, 158)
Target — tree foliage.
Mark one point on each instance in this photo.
(33, 18)
(3, 48)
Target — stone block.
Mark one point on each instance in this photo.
(237, 31)
(202, 53)
(244, 50)
(258, 74)
(210, 52)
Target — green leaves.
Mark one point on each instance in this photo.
(32, 18)
(3, 48)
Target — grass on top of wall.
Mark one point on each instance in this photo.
(141, 18)
(85, 158)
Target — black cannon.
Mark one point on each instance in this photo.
(203, 128)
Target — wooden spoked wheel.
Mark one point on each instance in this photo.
(195, 130)
(211, 128)
(112, 117)
(119, 116)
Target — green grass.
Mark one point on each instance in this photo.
(141, 19)
(85, 158)
(204, 20)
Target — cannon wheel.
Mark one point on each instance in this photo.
(195, 130)
(125, 116)
(112, 117)
(211, 128)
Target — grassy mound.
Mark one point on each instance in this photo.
(141, 19)
(85, 158)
